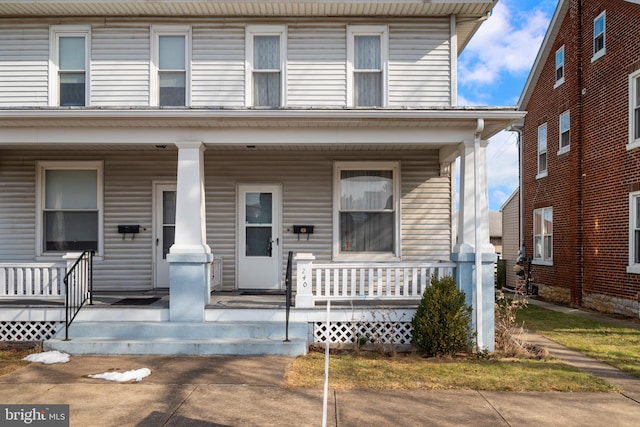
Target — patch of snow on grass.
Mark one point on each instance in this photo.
(48, 357)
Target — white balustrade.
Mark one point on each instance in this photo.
(363, 281)
(32, 280)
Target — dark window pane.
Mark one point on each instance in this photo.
(366, 231)
(368, 89)
(258, 241)
(266, 89)
(72, 89)
(71, 230)
(258, 208)
(168, 239)
(172, 89)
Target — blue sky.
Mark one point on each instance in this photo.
(493, 69)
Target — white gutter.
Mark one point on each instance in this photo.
(478, 262)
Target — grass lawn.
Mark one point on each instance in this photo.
(410, 371)
(615, 345)
(11, 355)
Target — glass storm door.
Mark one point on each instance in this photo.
(164, 230)
(259, 254)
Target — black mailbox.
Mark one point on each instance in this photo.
(128, 229)
(303, 229)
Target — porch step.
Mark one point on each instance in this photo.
(174, 338)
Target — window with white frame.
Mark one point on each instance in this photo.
(366, 201)
(367, 48)
(599, 36)
(171, 58)
(634, 233)
(542, 150)
(565, 132)
(634, 110)
(266, 59)
(69, 71)
(70, 207)
(543, 235)
(559, 66)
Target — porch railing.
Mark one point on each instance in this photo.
(364, 281)
(79, 287)
(32, 280)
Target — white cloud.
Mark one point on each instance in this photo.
(506, 42)
(502, 167)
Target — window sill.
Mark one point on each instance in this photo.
(633, 145)
(541, 175)
(59, 258)
(558, 83)
(542, 262)
(633, 269)
(599, 54)
(564, 150)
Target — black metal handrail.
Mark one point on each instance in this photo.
(78, 287)
(287, 282)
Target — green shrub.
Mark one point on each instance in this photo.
(442, 323)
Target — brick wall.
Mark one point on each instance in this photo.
(589, 186)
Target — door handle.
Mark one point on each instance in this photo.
(270, 248)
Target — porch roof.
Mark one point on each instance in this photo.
(470, 13)
(26, 125)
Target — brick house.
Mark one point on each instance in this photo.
(581, 163)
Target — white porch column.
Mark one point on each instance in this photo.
(474, 255)
(190, 257)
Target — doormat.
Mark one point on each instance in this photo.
(262, 293)
(136, 301)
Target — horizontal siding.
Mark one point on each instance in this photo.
(307, 199)
(419, 64)
(120, 66)
(218, 65)
(24, 59)
(316, 70)
(511, 236)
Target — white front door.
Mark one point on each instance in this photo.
(164, 220)
(259, 227)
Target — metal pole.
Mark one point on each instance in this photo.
(326, 366)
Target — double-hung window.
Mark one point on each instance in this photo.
(599, 36)
(69, 203)
(543, 235)
(171, 60)
(565, 132)
(367, 48)
(634, 110)
(69, 76)
(366, 205)
(265, 65)
(559, 66)
(634, 233)
(542, 150)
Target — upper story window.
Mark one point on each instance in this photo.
(565, 132)
(367, 48)
(634, 233)
(634, 110)
(542, 151)
(543, 235)
(69, 50)
(69, 207)
(559, 66)
(599, 36)
(171, 72)
(265, 65)
(366, 201)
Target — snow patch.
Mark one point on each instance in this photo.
(135, 374)
(48, 357)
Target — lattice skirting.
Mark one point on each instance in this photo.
(28, 331)
(373, 332)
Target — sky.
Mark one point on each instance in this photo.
(493, 70)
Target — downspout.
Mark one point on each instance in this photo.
(580, 176)
(478, 261)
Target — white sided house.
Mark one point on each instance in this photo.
(191, 146)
